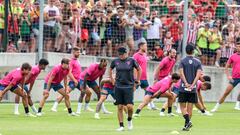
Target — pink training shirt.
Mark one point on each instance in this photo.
(59, 74)
(14, 77)
(177, 85)
(234, 60)
(162, 85)
(76, 68)
(142, 61)
(93, 71)
(166, 65)
(108, 85)
(199, 85)
(33, 75)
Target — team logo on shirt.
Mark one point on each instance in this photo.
(190, 61)
(128, 62)
(117, 63)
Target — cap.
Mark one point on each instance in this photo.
(122, 50)
(230, 17)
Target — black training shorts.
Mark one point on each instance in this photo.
(123, 95)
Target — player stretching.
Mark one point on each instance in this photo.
(159, 89)
(165, 68)
(88, 78)
(14, 82)
(30, 80)
(53, 81)
(74, 73)
(205, 85)
(107, 88)
(234, 80)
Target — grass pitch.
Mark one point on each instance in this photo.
(225, 122)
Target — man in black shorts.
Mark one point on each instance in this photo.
(190, 70)
(124, 85)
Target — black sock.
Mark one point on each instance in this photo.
(163, 110)
(187, 119)
(129, 118)
(69, 110)
(203, 111)
(121, 124)
(26, 109)
(169, 109)
(138, 111)
(39, 109)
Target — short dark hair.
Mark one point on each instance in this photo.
(76, 48)
(65, 61)
(103, 60)
(208, 85)
(26, 66)
(175, 76)
(206, 78)
(141, 44)
(189, 49)
(43, 62)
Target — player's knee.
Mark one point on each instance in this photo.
(66, 96)
(45, 94)
(120, 107)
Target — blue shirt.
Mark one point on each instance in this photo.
(190, 66)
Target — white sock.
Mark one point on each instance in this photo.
(103, 108)
(34, 109)
(79, 107)
(217, 106)
(237, 104)
(86, 106)
(152, 104)
(16, 107)
(149, 105)
(55, 105)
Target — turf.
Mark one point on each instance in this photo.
(224, 122)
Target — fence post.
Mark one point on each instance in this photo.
(185, 25)
(5, 34)
(40, 36)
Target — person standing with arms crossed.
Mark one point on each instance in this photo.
(190, 70)
(125, 84)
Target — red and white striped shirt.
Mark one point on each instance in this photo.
(228, 51)
(192, 32)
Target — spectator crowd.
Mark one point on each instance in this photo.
(99, 27)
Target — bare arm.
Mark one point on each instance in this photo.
(85, 81)
(183, 77)
(157, 71)
(199, 72)
(227, 72)
(65, 83)
(201, 99)
(50, 82)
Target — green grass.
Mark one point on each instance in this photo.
(224, 122)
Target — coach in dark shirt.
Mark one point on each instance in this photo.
(124, 84)
(190, 70)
